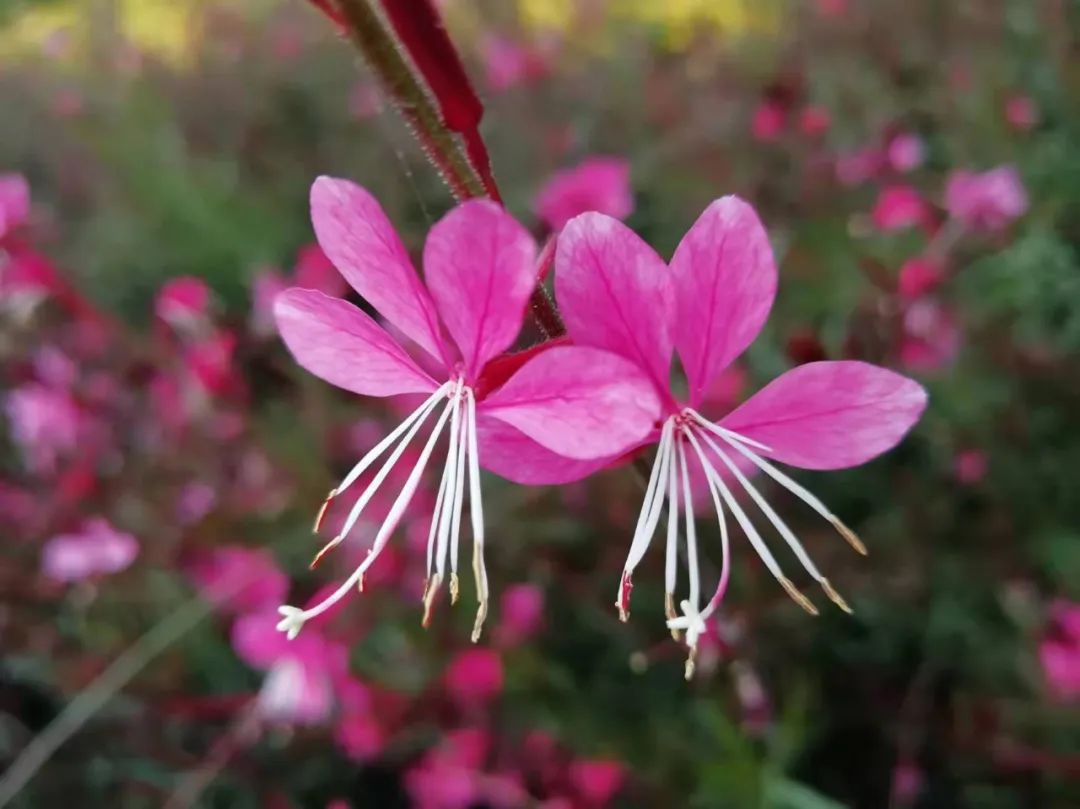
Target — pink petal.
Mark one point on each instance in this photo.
(511, 454)
(725, 281)
(830, 415)
(337, 342)
(357, 237)
(579, 402)
(615, 293)
(478, 263)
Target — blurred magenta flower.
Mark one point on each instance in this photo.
(905, 152)
(581, 403)
(474, 677)
(596, 781)
(918, 276)
(507, 63)
(521, 612)
(596, 184)
(184, 303)
(814, 121)
(239, 579)
(899, 207)
(314, 270)
(1021, 113)
(14, 202)
(95, 550)
(856, 167)
(1059, 651)
(46, 424)
(969, 466)
(931, 336)
(615, 293)
(988, 201)
(267, 284)
(768, 121)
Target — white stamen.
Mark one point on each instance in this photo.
(671, 562)
(691, 533)
(294, 618)
(654, 500)
(476, 511)
(726, 434)
(725, 544)
(440, 500)
(451, 486)
(459, 498)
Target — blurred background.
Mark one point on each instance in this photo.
(917, 166)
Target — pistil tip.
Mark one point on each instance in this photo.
(835, 597)
(798, 597)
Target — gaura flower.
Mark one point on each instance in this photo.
(95, 550)
(615, 293)
(579, 403)
(987, 201)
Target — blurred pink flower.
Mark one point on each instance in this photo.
(300, 674)
(905, 152)
(768, 121)
(969, 466)
(899, 207)
(479, 266)
(46, 424)
(194, 502)
(522, 614)
(508, 63)
(239, 579)
(265, 287)
(859, 166)
(814, 121)
(931, 336)
(183, 303)
(474, 677)
(314, 270)
(1021, 113)
(360, 736)
(832, 9)
(596, 781)
(918, 276)
(707, 306)
(96, 549)
(14, 202)
(988, 201)
(365, 100)
(1059, 651)
(209, 360)
(596, 184)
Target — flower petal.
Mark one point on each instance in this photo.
(615, 293)
(725, 281)
(511, 454)
(479, 265)
(583, 403)
(830, 415)
(358, 238)
(337, 342)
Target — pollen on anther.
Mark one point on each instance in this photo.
(329, 546)
(798, 597)
(835, 597)
(322, 511)
(849, 535)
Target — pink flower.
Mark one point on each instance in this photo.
(183, 303)
(1059, 651)
(474, 677)
(1021, 113)
(508, 63)
(565, 401)
(988, 201)
(931, 336)
(596, 184)
(597, 781)
(905, 152)
(239, 579)
(768, 121)
(97, 549)
(814, 121)
(314, 270)
(899, 207)
(615, 293)
(917, 277)
(969, 466)
(46, 424)
(855, 168)
(194, 502)
(14, 202)
(300, 676)
(522, 611)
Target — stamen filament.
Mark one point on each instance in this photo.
(476, 511)
(671, 562)
(451, 486)
(725, 544)
(691, 531)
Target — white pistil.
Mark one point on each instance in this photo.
(691, 532)
(443, 537)
(725, 545)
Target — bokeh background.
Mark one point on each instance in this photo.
(917, 164)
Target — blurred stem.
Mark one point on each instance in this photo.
(92, 699)
(241, 733)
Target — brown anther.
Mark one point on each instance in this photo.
(329, 546)
(691, 664)
(478, 624)
(360, 583)
(798, 597)
(322, 511)
(430, 592)
(670, 613)
(849, 535)
(625, 586)
(454, 587)
(835, 597)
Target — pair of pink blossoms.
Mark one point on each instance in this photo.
(562, 410)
